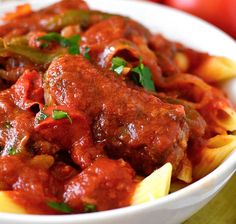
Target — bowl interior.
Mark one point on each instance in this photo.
(176, 26)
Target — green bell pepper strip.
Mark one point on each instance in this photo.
(19, 46)
(72, 17)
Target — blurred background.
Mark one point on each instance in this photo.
(221, 13)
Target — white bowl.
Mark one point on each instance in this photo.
(178, 206)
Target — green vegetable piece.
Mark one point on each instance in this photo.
(60, 114)
(144, 76)
(42, 116)
(89, 208)
(61, 207)
(118, 65)
(82, 17)
(86, 53)
(19, 46)
(12, 151)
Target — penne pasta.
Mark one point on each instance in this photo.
(182, 61)
(213, 154)
(216, 69)
(226, 118)
(185, 173)
(154, 186)
(7, 204)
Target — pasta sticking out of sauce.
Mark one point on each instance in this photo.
(94, 118)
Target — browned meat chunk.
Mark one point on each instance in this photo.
(37, 21)
(132, 124)
(106, 184)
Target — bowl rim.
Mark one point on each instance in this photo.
(226, 168)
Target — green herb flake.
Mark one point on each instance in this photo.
(42, 116)
(73, 49)
(44, 45)
(12, 151)
(61, 207)
(118, 65)
(144, 76)
(89, 208)
(72, 43)
(86, 53)
(60, 114)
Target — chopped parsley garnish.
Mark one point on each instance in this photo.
(89, 208)
(42, 116)
(12, 151)
(44, 45)
(71, 43)
(86, 53)
(61, 207)
(60, 114)
(141, 74)
(118, 65)
(144, 76)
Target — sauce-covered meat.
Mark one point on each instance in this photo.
(38, 21)
(131, 123)
(106, 184)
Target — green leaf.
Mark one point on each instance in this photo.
(61, 207)
(64, 42)
(118, 65)
(60, 114)
(74, 39)
(71, 43)
(73, 47)
(43, 45)
(53, 36)
(86, 53)
(12, 151)
(89, 208)
(42, 116)
(144, 76)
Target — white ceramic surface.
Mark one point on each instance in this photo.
(179, 206)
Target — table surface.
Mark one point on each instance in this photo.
(221, 209)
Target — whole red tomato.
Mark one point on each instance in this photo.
(222, 13)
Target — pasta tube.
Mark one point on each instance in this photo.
(154, 186)
(7, 204)
(216, 150)
(216, 69)
(185, 173)
(226, 118)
